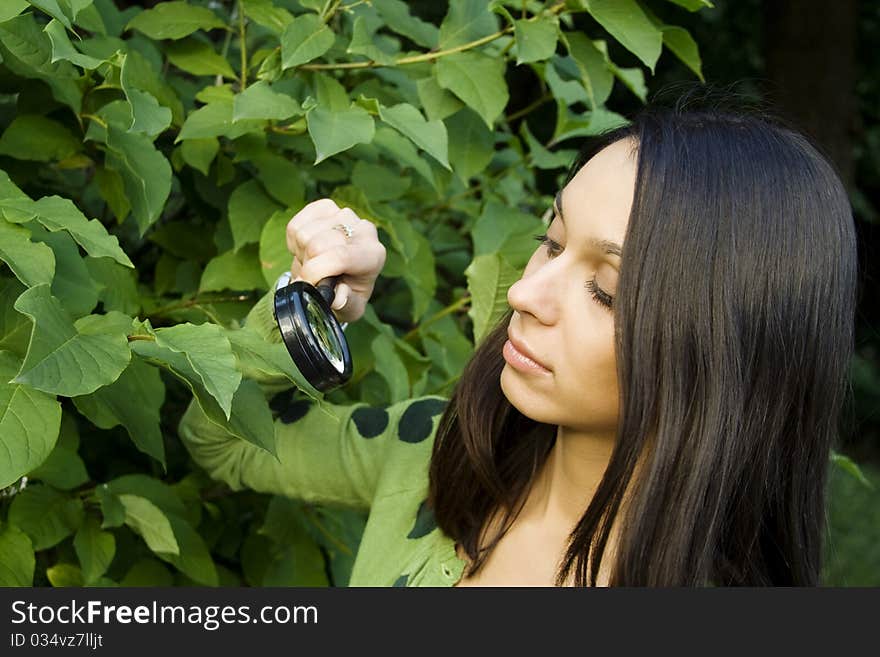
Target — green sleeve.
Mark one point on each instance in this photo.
(327, 453)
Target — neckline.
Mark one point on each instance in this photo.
(451, 556)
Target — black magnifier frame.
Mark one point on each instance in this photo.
(300, 309)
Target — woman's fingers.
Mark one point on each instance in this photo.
(322, 208)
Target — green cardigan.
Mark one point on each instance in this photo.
(355, 455)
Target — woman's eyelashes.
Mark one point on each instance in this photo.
(554, 249)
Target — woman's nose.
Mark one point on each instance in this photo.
(537, 294)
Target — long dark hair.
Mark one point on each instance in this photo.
(733, 333)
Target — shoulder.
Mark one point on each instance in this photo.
(410, 427)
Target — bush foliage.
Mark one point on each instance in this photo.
(149, 161)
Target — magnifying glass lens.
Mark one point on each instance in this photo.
(311, 332)
(324, 333)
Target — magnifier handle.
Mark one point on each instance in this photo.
(327, 288)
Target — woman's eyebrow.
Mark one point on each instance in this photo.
(605, 246)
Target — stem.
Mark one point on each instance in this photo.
(218, 80)
(328, 10)
(195, 301)
(96, 119)
(339, 544)
(132, 338)
(529, 108)
(429, 56)
(242, 47)
(451, 308)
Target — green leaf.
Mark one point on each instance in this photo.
(436, 101)
(147, 572)
(390, 366)
(489, 276)
(364, 41)
(111, 507)
(174, 20)
(64, 574)
(155, 490)
(680, 42)
(592, 62)
(257, 358)
(12, 8)
(304, 39)
(396, 15)
(274, 257)
(633, 79)
(281, 178)
(9, 189)
(505, 231)
(418, 261)
(193, 558)
(476, 79)
(15, 329)
(466, 21)
(197, 57)
(265, 13)
(27, 51)
(295, 558)
(402, 150)
(29, 424)
(134, 401)
(63, 469)
(249, 417)
(146, 174)
(51, 7)
(56, 213)
(259, 101)
(143, 74)
(112, 189)
(72, 284)
(851, 468)
(336, 131)
(32, 263)
(428, 135)
(234, 270)
(249, 209)
(34, 137)
(94, 549)
(379, 183)
(63, 49)
(331, 94)
(626, 22)
(199, 153)
(45, 514)
(471, 144)
(215, 120)
(148, 521)
(209, 354)
(67, 358)
(17, 564)
(535, 39)
(542, 158)
(693, 5)
(117, 285)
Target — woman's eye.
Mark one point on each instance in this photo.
(553, 248)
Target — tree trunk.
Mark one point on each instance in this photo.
(810, 55)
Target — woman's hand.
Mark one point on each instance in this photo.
(320, 251)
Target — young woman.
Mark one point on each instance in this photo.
(657, 407)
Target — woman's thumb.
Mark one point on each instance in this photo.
(341, 298)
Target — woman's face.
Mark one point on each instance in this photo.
(556, 316)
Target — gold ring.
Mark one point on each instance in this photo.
(348, 230)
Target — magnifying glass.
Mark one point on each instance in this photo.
(310, 331)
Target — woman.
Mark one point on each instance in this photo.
(656, 408)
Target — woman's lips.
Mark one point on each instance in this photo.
(520, 361)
